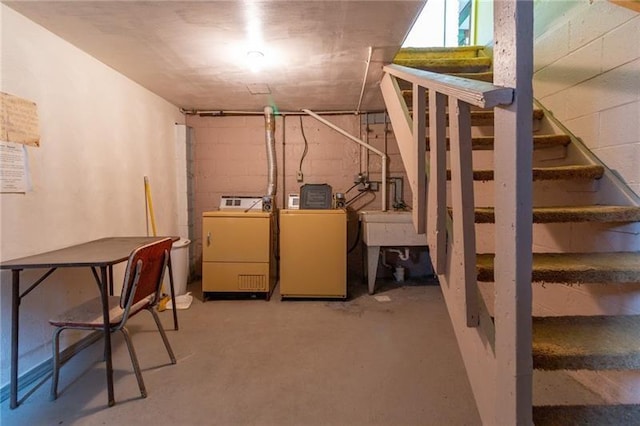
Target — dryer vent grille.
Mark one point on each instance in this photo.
(252, 282)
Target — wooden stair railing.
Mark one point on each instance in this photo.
(461, 94)
(563, 342)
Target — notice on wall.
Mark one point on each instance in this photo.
(14, 170)
(19, 120)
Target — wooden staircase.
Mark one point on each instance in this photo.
(561, 341)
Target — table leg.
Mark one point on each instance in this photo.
(15, 318)
(373, 252)
(173, 294)
(110, 280)
(104, 291)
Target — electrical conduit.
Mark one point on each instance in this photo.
(364, 144)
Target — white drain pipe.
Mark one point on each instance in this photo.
(364, 79)
(361, 143)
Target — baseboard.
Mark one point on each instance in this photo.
(42, 370)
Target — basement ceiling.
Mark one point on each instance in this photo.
(314, 54)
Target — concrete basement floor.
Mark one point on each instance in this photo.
(252, 362)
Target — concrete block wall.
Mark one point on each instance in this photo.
(587, 72)
(230, 159)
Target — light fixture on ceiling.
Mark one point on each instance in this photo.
(255, 60)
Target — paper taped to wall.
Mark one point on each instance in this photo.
(14, 173)
(19, 120)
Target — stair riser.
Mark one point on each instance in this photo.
(620, 387)
(570, 237)
(586, 299)
(487, 122)
(547, 157)
(543, 174)
(480, 143)
(557, 299)
(545, 194)
(483, 129)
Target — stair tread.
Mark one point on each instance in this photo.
(619, 267)
(566, 214)
(586, 342)
(440, 52)
(446, 65)
(482, 143)
(548, 173)
(603, 415)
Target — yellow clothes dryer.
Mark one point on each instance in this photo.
(313, 253)
(238, 252)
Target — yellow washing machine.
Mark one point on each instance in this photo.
(238, 252)
(313, 253)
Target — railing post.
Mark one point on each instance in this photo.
(437, 205)
(420, 146)
(463, 205)
(402, 126)
(513, 67)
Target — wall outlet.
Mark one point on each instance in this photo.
(299, 176)
(374, 186)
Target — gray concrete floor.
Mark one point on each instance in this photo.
(252, 362)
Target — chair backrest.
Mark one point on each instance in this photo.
(144, 273)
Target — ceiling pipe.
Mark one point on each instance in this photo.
(364, 80)
(361, 143)
(225, 113)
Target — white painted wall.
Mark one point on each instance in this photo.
(101, 133)
(587, 72)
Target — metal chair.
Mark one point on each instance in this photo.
(140, 291)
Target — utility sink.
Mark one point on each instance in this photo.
(390, 228)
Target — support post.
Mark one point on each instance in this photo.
(420, 146)
(513, 67)
(402, 126)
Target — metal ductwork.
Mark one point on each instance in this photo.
(270, 129)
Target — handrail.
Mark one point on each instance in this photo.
(478, 93)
